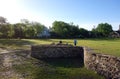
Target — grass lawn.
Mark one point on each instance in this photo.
(106, 46)
(59, 68)
(55, 69)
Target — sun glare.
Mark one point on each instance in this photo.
(14, 10)
(8, 5)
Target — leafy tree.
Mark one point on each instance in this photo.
(83, 33)
(60, 28)
(30, 32)
(11, 31)
(19, 30)
(65, 30)
(38, 28)
(6, 31)
(93, 33)
(25, 29)
(74, 31)
(104, 29)
(2, 20)
(28, 29)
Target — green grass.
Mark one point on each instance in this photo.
(50, 69)
(60, 68)
(105, 46)
(14, 44)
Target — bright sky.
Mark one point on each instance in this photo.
(84, 13)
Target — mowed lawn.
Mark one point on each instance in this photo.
(60, 68)
(105, 46)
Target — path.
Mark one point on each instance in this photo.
(7, 60)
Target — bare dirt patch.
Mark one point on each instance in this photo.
(8, 59)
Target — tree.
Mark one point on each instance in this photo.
(2, 20)
(38, 27)
(6, 31)
(104, 29)
(30, 32)
(60, 28)
(65, 30)
(83, 33)
(27, 29)
(74, 31)
(19, 30)
(11, 31)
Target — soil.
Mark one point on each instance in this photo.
(10, 58)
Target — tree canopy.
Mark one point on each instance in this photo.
(104, 29)
(65, 30)
(2, 20)
(24, 29)
(84, 33)
(59, 29)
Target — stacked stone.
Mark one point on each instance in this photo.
(106, 65)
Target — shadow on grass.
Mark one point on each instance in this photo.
(65, 62)
(52, 71)
(14, 41)
(10, 44)
(20, 42)
(65, 68)
(62, 68)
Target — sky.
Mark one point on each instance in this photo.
(85, 13)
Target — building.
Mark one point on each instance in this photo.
(45, 33)
(115, 34)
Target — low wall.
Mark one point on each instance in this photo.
(56, 51)
(106, 65)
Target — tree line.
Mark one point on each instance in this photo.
(24, 29)
(59, 29)
(69, 30)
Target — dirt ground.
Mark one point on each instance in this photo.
(10, 58)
